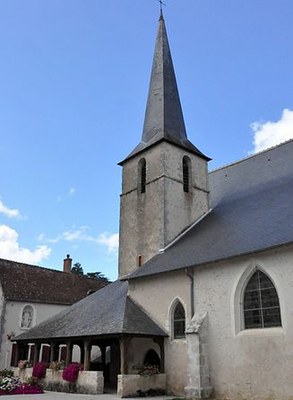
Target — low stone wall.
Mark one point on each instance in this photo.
(132, 385)
(88, 382)
(22, 374)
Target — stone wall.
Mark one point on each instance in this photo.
(88, 382)
(151, 220)
(132, 385)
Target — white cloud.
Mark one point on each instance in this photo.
(270, 133)
(109, 240)
(71, 192)
(9, 212)
(11, 250)
(70, 236)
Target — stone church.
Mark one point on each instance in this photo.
(205, 267)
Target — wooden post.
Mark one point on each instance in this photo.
(124, 341)
(37, 352)
(87, 355)
(53, 352)
(14, 361)
(103, 351)
(160, 342)
(69, 347)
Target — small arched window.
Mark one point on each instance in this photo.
(261, 306)
(186, 173)
(27, 317)
(142, 175)
(179, 321)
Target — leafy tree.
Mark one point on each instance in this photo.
(97, 275)
(77, 269)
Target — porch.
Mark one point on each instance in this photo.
(110, 365)
(111, 325)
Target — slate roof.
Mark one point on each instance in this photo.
(163, 117)
(251, 210)
(108, 311)
(29, 283)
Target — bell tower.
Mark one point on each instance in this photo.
(164, 179)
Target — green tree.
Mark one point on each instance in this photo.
(77, 269)
(97, 275)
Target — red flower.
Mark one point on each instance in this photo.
(70, 373)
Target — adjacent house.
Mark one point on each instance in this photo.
(31, 294)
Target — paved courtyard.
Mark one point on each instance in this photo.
(70, 396)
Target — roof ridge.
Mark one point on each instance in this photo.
(39, 267)
(251, 156)
(28, 265)
(183, 233)
(124, 311)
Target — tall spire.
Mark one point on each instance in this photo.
(163, 118)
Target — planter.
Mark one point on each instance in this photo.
(88, 382)
(133, 385)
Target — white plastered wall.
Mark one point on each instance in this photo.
(254, 363)
(11, 322)
(156, 295)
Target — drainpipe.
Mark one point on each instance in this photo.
(190, 276)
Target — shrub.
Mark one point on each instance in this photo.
(39, 370)
(32, 381)
(6, 373)
(70, 373)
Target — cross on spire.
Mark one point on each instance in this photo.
(161, 7)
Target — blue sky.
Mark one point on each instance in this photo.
(74, 77)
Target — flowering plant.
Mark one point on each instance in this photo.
(39, 370)
(146, 369)
(70, 373)
(22, 364)
(57, 365)
(8, 384)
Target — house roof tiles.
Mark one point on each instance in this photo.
(30, 283)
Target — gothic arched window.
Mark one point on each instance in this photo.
(261, 306)
(142, 175)
(186, 173)
(27, 317)
(179, 321)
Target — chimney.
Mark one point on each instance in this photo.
(67, 262)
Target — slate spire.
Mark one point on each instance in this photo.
(164, 117)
